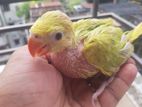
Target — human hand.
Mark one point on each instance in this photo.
(32, 82)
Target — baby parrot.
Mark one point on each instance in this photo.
(93, 49)
(84, 48)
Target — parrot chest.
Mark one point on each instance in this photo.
(72, 63)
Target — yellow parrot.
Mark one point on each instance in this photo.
(82, 49)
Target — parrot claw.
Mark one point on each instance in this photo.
(100, 90)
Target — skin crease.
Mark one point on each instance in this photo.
(32, 82)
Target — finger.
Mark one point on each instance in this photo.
(114, 92)
(21, 58)
(131, 60)
(23, 53)
(127, 73)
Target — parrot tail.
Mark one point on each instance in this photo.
(136, 33)
(133, 34)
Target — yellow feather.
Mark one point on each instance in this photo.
(136, 33)
(51, 21)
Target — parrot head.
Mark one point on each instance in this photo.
(52, 32)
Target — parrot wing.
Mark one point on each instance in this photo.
(83, 27)
(107, 47)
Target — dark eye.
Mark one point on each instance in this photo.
(36, 36)
(58, 36)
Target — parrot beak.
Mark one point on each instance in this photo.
(37, 48)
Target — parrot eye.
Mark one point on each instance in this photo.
(36, 36)
(58, 35)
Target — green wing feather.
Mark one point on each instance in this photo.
(102, 49)
(106, 46)
(83, 27)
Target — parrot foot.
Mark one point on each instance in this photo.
(100, 90)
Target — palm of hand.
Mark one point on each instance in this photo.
(34, 83)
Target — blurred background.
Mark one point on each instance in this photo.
(17, 16)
